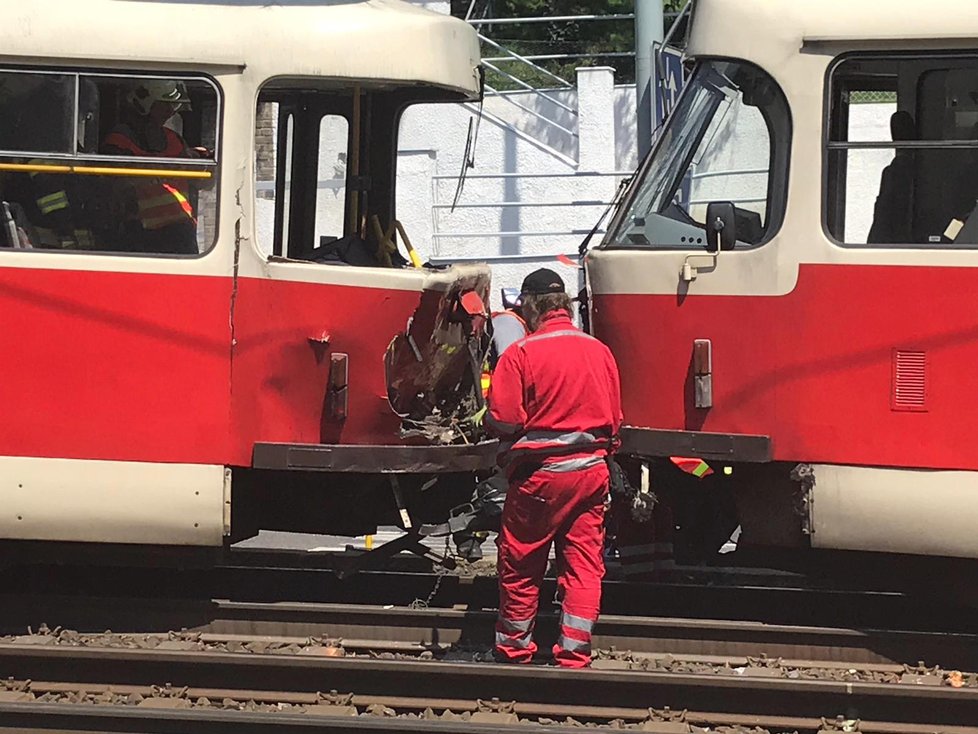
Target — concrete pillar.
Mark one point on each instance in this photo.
(596, 118)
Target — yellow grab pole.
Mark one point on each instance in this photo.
(102, 170)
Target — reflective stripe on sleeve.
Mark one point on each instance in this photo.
(554, 334)
(52, 202)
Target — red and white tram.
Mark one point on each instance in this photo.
(825, 352)
(272, 372)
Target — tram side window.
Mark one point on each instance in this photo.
(727, 140)
(902, 158)
(303, 202)
(122, 164)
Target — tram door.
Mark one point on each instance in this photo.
(665, 303)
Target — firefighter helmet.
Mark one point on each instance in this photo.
(149, 91)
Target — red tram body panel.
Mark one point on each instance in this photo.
(788, 283)
(186, 302)
(825, 387)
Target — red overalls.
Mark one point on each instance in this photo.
(555, 397)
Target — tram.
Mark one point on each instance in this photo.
(201, 340)
(789, 282)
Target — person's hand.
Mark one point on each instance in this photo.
(480, 416)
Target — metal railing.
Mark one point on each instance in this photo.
(589, 211)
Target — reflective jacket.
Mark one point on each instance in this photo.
(555, 398)
(160, 203)
(507, 329)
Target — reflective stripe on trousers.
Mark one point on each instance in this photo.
(514, 639)
(574, 643)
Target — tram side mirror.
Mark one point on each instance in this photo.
(721, 226)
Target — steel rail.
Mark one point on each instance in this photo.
(333, 717)
(24, 601)
(676, 636)
(25, 718)
(726, 695)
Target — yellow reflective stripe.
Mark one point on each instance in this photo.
(177, 195)
(163, 219)
(52, 202)
(84, 239)
(151, 202)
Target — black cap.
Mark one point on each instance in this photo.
(542, 281)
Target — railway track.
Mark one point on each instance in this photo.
(289, 667)
(287, 646)
(706, 597)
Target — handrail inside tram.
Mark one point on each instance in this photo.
(103, 170)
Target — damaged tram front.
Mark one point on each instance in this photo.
(220, 325)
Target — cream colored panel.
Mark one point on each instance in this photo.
(385, 40)
(773, 268)
(896, 511)
(782, 27)
(755, 272)
(111, 501)
(405, 279)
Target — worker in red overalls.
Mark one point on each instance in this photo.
(555, 402)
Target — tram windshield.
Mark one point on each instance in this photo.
(727, 140)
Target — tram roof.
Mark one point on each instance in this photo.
(766, 31)
(382, 40)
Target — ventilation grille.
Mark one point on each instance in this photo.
(909, 380)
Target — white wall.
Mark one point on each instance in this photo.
(524, 221)
(555, 210)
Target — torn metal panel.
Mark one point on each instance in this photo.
(432, 368)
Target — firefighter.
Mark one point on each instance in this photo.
(159, 213)
(508, 327)
(56, 209)
(63, 207)
(555, 402)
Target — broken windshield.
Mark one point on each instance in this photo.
(727, 140)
